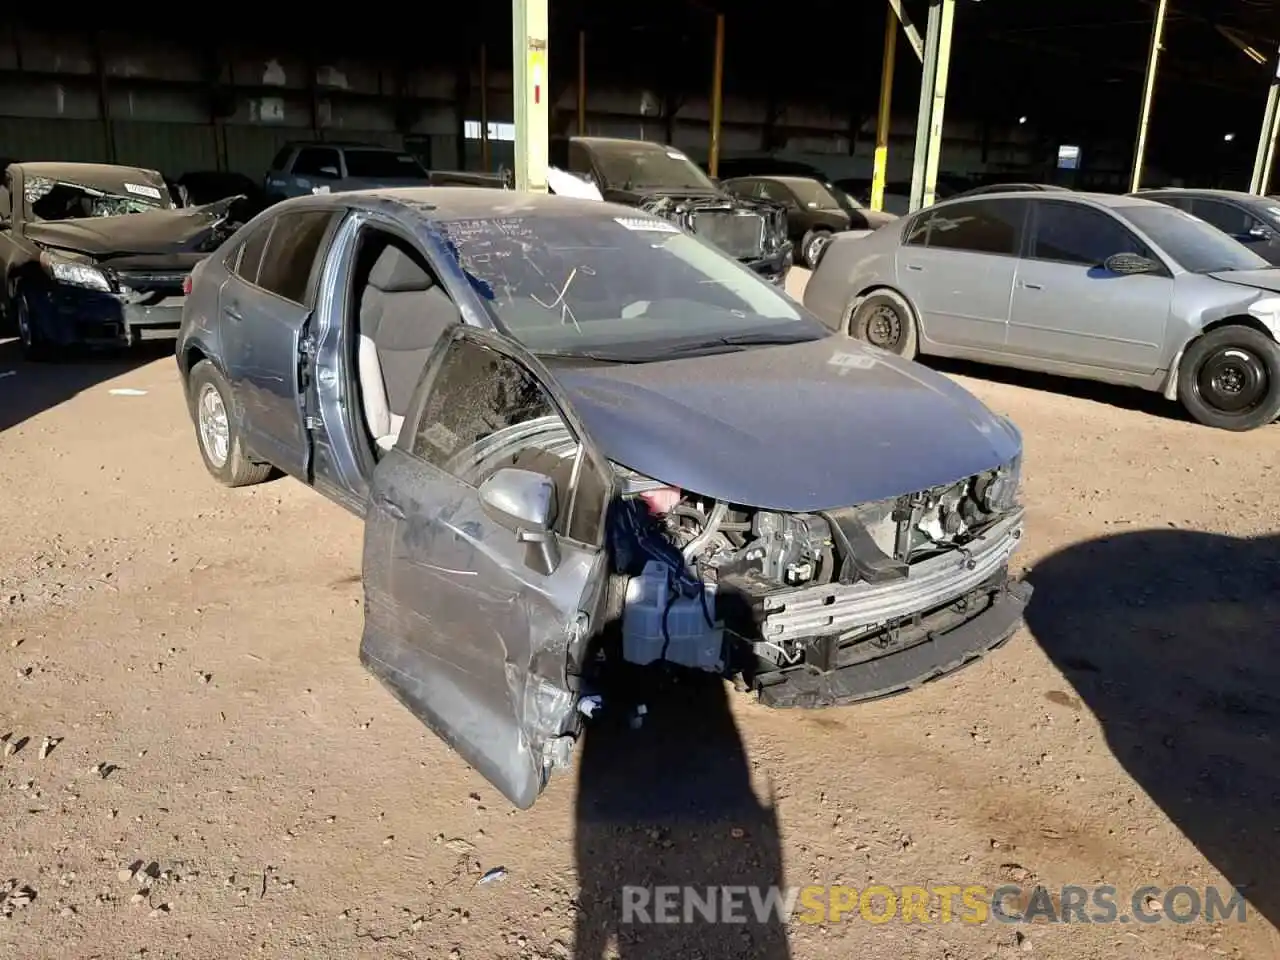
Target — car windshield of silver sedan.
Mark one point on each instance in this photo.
(631, 286)
(1197, 246)
(49, 199)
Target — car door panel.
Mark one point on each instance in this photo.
(475, 642)
(263, 346)
(1066, 307)
(265, 332)
(960, 278)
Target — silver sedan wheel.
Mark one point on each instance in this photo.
(215, 431)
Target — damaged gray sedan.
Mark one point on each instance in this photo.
(582, 438)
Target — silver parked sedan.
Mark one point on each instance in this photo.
(1116, 289)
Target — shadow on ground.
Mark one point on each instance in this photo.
(1172, 639)
(28, 389)
(1123, 398)
(671, 804)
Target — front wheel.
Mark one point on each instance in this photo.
(811, 247)
(884, 320)
(1230, 379)
(217, 433)
(31, 333)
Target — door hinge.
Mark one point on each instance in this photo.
(312, 423)
(307, 346)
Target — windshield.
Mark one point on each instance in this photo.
(1194, 244)
(572, 284)
(383, 165)
(640, 166)
(847, 200)
(54, 199)
(813, 194)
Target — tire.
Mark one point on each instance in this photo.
(217, 433)
(885, 320)
(35, 346)
(810, 249)
(1230, 379)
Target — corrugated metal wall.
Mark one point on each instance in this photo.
(162, 113)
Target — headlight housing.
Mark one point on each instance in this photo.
(75, 274)
(999, 490)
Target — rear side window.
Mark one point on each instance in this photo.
(249, 257)
(1073, 233)
(287, 263)
(282, 158)
(978, 226)
(319, 162)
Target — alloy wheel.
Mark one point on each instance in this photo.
(215, 430)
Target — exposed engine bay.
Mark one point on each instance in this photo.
(752, 231)
(723, 588)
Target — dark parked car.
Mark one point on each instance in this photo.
(815, 211)
(580, 438)
(328, 167)
(95, 254)
(210, 186)
(662, 180)
(897, 193)
(734, 168)
(1246, 217)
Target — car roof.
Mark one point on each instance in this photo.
(1110, 200)
(461, 203)
(59, 170)
(1205, 192)
(618, 141)
(342, 145)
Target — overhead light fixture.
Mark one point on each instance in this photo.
(1228, 137)
(1022, 119)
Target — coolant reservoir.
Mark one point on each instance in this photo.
(691, 638)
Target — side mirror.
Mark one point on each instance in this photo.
(1130, 264)
(1257, 232)
(525, 503)
(330, 172)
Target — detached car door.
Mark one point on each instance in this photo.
(484, 567)
(266, 304)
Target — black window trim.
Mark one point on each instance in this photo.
(426, 384)
(1038, 202)
(336, 216)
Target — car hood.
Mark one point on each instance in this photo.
(1261, 279)
(798, 428)
(184, 230)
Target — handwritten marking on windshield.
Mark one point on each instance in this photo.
(566, 312)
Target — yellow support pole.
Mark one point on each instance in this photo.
(717, 99)
(884, 115)
(582, 83)
(1148, 93)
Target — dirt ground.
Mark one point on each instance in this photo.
(190, 652)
